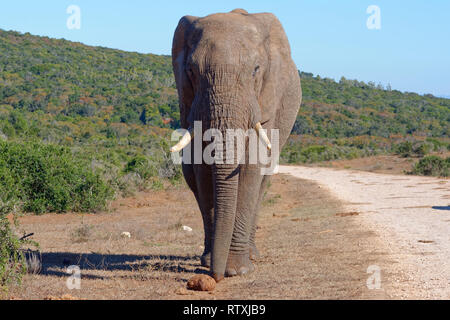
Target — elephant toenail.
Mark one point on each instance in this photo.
(243, 271)
(231, 272)
(217, 277)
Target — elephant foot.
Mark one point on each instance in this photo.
(238, 265)
(217, 277)
(205, 260)
(254, 252)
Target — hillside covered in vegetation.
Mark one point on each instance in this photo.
(111, 112)
(80, 125)
(350, 118)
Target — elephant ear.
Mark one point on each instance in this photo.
(180, 52)
(280, 96)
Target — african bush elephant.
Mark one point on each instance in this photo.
(233, 71)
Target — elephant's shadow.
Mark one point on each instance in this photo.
(57, 263)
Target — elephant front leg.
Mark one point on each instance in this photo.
(207, 215)
(205, 199)
(238, 262)
(254, 252)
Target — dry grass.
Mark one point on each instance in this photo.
(307, 251)
(377, 164)
(82, 233)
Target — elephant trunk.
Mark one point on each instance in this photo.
(225, 113)
(226, 178)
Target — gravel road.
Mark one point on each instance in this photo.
(410, 214)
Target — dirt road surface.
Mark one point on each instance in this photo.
(411, 216)
(323, 234)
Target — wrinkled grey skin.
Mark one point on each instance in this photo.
(233, 70)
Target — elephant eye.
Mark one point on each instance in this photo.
(256, 70)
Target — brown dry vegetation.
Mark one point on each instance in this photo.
(310, 249)
(378, 164)
(388, 164)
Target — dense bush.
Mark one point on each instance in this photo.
(432, 166)
(419, 148)
(41, 178)
(423, 148)
(150, 171)
(12, 260)
(350, 108)
(309, 149)
(404, 149)
(318, 153)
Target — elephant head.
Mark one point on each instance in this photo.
(233, 71)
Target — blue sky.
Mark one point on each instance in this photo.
(411, 51)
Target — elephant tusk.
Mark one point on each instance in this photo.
(188, 136)
(263, 135)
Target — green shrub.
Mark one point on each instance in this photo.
(423, 148)
(142, 166)
(432, 166)
(404, 149)
(156, 184)
(8, 190)
(299, 153)
(12, 260)
(438, 145)
(47, 178)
